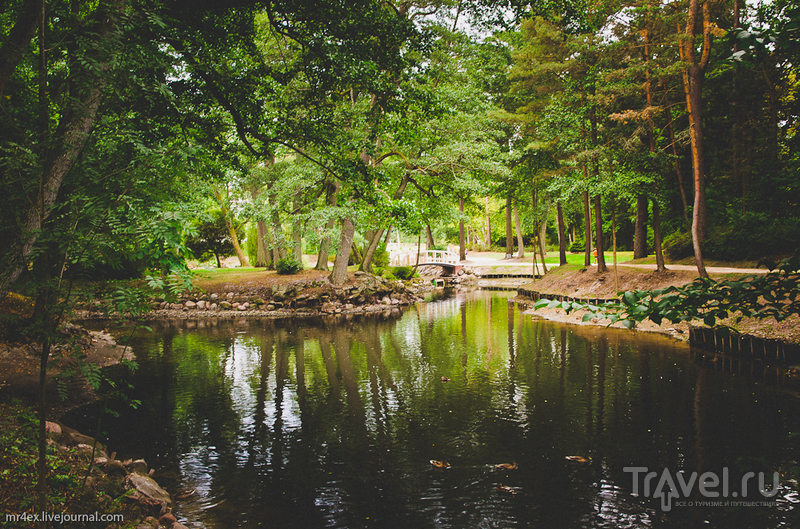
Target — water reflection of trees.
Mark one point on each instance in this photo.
(327, 422)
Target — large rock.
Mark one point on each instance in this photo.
(151, 498)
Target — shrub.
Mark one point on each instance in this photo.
(381, 257)
(403, 272)
(678, 245)
(288, 266)
(576, 247)
(753, 236)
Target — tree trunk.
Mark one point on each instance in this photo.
(261, 252)
(72, 133)
(562, 238)
(509, 233)
(640, 230)
(297, 231)
(587, 225)
(261, 234)
(520, 241)
(488, 227)
(693, 77)
(231, 230)
(331, 192)
(598, 227)
(614, 242)
(677, 164)
(366, 262)
(660, 266)
(542, 238)
(462, 247)
(429, 242)
(339, 274)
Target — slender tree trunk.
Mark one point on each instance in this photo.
(660, 266)
(562, 238)
(518, 226)
(297, 231)
(509, 233)
(640, 230)
(429, 242)
(339, 274)
(614, 242)
(261, 234)
(541, 241)
(598, 227)
(231, 230)
(419, 245)
(488, 227)
(366, 262)
(587, 226)
(676, 162)
(462, 247)
(693, 77)
(278, 239)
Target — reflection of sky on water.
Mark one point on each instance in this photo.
(321, 425)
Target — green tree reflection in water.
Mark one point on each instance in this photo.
(332, 424)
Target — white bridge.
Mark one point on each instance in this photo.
(447, 260)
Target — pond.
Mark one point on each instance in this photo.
(334, 423)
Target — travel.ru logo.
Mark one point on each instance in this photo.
(707, 484)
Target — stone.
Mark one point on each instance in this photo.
(111, 467)
(53, 430)
(349, 306)
(138, 466)
(242, 307)
(386, 301)
(229, 295)
(270, 307)
(213, 306)
(201, 304)
(214, 296)
(167, 520)
(148, 494)
(224, 305)
(83, 450)
(328, 307)
(190, 305)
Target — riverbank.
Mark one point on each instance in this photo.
(87, 486)
(585, 283)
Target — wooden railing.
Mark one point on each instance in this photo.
(428, 257)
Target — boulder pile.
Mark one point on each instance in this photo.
(367, 293)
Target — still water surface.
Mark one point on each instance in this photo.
(312, 424)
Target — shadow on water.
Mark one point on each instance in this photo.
(332, 422)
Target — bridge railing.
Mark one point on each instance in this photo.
(428, 257)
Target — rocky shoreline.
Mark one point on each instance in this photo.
(109, 476)
(366, 293)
